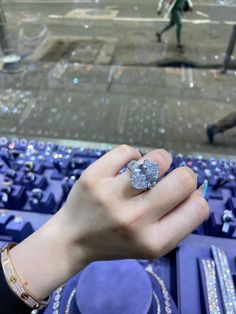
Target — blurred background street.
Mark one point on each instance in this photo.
(96, 72)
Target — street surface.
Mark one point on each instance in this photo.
(92, 73)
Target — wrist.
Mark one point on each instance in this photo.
(69, 242)
(45, 260)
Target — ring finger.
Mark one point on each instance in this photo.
(160, 156)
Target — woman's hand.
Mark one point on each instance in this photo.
(104, 218)
(107, 219)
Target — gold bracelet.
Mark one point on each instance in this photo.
(16, 284)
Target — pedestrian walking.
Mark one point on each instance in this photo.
(175, 10)
(221, 126)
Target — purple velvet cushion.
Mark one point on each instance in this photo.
(114, 287)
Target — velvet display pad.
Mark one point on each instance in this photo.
(18, 179)
(40, 182)
(231, 204)
(234, 279)
(19, 230)
(54, 189)
(4, 220)
(218, 195)
(213, 226)
(64, 297)
(194, 247)
(35, 219)
(47, 204)
(219, 198)
(234, 191)
(2, 244)
(16, 199)
(3, 166)
(62, 165)
(82, 163)
(57, 175)
(77, 172)
(38, 168)
(114, 287)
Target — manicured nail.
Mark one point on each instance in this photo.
(204, 189)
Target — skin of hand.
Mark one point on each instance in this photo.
(104, 218)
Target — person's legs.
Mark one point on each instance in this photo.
(228, 122)
(166, 28)
(221, 126)
(178, 27)
(177, 16)
(169, 26)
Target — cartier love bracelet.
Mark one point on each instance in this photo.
(16, 284)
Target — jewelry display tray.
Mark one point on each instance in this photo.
(190, 288)
(163, 267)
(181, 272)
(223, 199)
(52, 164)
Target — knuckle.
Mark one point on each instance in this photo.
(165, 245)
(165, 155)
(103, 197)
(149, 247)
(86, 182)
(124, 226)
(151, 252)
(127, 224)
(187, 179)
(129, 151)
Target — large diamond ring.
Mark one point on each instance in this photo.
(145, 176)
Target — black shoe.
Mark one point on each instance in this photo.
(211, 131)
(158, 36)
(180, 48)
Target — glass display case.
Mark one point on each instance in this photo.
(79, 77)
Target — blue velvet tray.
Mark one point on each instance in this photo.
(218, 202)
(190, 296)
(113, 287)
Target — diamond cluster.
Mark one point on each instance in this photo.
(225, 279)
(211, 286)
(144, 176)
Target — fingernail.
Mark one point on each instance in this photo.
(203, 189)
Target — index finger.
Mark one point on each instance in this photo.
(112, 162)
